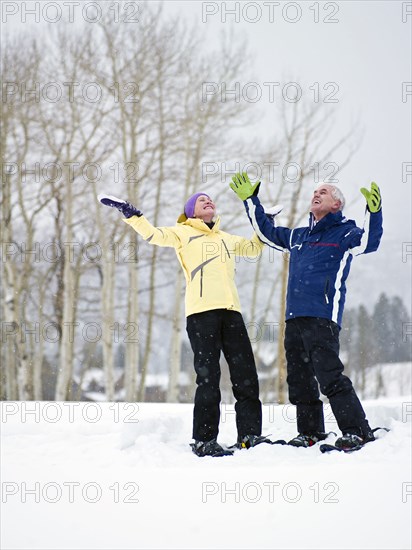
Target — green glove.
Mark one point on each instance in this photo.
(243, 187)
(373, 198)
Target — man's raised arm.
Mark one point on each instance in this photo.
(262, 223)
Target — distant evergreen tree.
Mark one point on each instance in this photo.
(390, 322)
(383, 329)
(348, 339)
(400, 320)
(365, 345)
(382, 337)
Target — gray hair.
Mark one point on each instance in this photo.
(338, 196)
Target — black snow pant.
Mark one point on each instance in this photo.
(211, 332)
(312, 354)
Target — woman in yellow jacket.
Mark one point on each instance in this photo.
(214, 320)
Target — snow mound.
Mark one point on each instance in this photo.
(122, 476)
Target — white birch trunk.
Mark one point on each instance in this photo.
(11, 334)
(11, 327)
(39, 349)
(132, 346)
(23, 368)
(176, 347)
(108, 322)
(37, 372)
(68, 334)
(281, 357)
(64, 377)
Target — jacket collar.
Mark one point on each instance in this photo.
(196, 223)
(327, 221)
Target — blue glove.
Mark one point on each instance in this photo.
(127, 209)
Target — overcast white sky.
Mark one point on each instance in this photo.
(366, 53)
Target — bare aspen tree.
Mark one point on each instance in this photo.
(127, 74)
(43, 282)
(10, 327)
(163, 60)
(69, 302)
(72, 132)
(18, 131)
(107, 301)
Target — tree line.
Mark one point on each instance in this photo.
(382, 334)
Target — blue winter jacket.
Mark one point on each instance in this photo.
(320, 258)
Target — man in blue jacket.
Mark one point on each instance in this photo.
(320, 259)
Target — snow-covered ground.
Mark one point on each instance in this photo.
(122, 476)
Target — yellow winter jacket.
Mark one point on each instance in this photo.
(207, 257)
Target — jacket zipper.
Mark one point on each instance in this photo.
(227, 251)
(327, 290)
(201, 282)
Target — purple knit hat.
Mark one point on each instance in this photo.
(190, 204)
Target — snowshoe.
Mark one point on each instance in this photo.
(349, 443)
(306, 440)
(250, 440)
(209, 448)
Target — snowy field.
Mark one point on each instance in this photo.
(122, 476)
